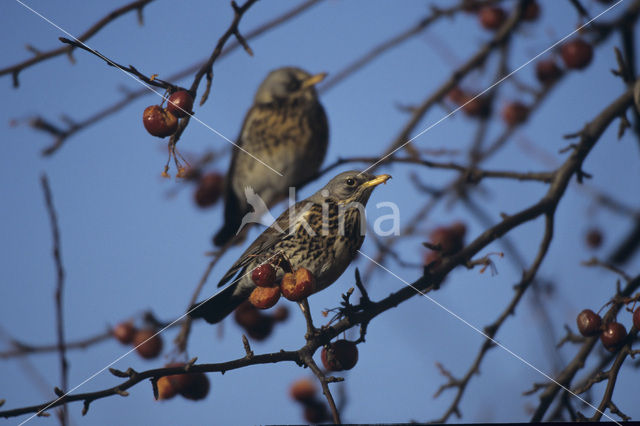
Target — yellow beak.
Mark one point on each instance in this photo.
(313, 80)
(376, 181)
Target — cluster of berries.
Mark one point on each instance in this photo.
(193, 386)
(163, 122)
(612, 335)
(257, 324)
(295, 286)
(305, 392)
(146, 341)
(576, 54)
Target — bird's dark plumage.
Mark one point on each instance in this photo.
(322, 234)
(285, 128)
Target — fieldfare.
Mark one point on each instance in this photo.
(321, 233)
(286, 128)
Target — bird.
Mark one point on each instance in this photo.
(322, 233)
(286, 129)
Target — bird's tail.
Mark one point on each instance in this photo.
(226, 233)
(218, 307)
(233, 213)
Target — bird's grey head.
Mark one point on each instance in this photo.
(287, 84)
(350, 187)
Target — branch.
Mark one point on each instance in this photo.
(14, 70)
(471, 174)
(476, 61)
(62, 135)
(57, 256)
(565, 377)
(396, 40)
(492, 329)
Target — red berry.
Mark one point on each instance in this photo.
(515, 113)
(547, 71)
(450, 238)
(636, 318)
(456, 95)
(264, 297)
(476, 106)
(124, 332)
(492, 17)
(613, 335)
(298, 285)
(264, 275)
(303, 390)
(577, 54)
(180, 382)
(262, 329)
(589, 323)
(159, 122)
(340, 355)
(532, 11)
(148, 344)
(209, 189)
(247, 315)
(594, 238)
(198, 387)
(165, 389)
(180, 103)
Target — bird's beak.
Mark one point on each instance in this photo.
(313, 80)
(376, 181)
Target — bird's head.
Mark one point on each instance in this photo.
(351, 187)
(287, 84)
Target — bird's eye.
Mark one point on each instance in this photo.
(293, 85)
(351, 182)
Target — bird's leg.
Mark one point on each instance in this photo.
(306, 311)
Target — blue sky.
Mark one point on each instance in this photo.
(133, 241)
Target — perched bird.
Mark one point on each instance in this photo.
(322, 234)
(286, 129)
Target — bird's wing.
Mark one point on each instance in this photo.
(262, 244)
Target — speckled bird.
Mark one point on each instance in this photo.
(285, 128)
(321, 233)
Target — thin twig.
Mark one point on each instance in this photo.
(57, 256)
(14, 70)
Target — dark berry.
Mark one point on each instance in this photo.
(594, 238)
(613, 335)
(264, 275)
(340, 355)
(209, 189)
(159, 122)
(148, 344)
(492, 17)
(547, 71)
(636, 318)
(303, 390)
(515, 113)
(576, 54)
(124, 332)
(532, 11)
(589, 323)
(180, 103)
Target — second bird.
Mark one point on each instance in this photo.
(286, 129)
